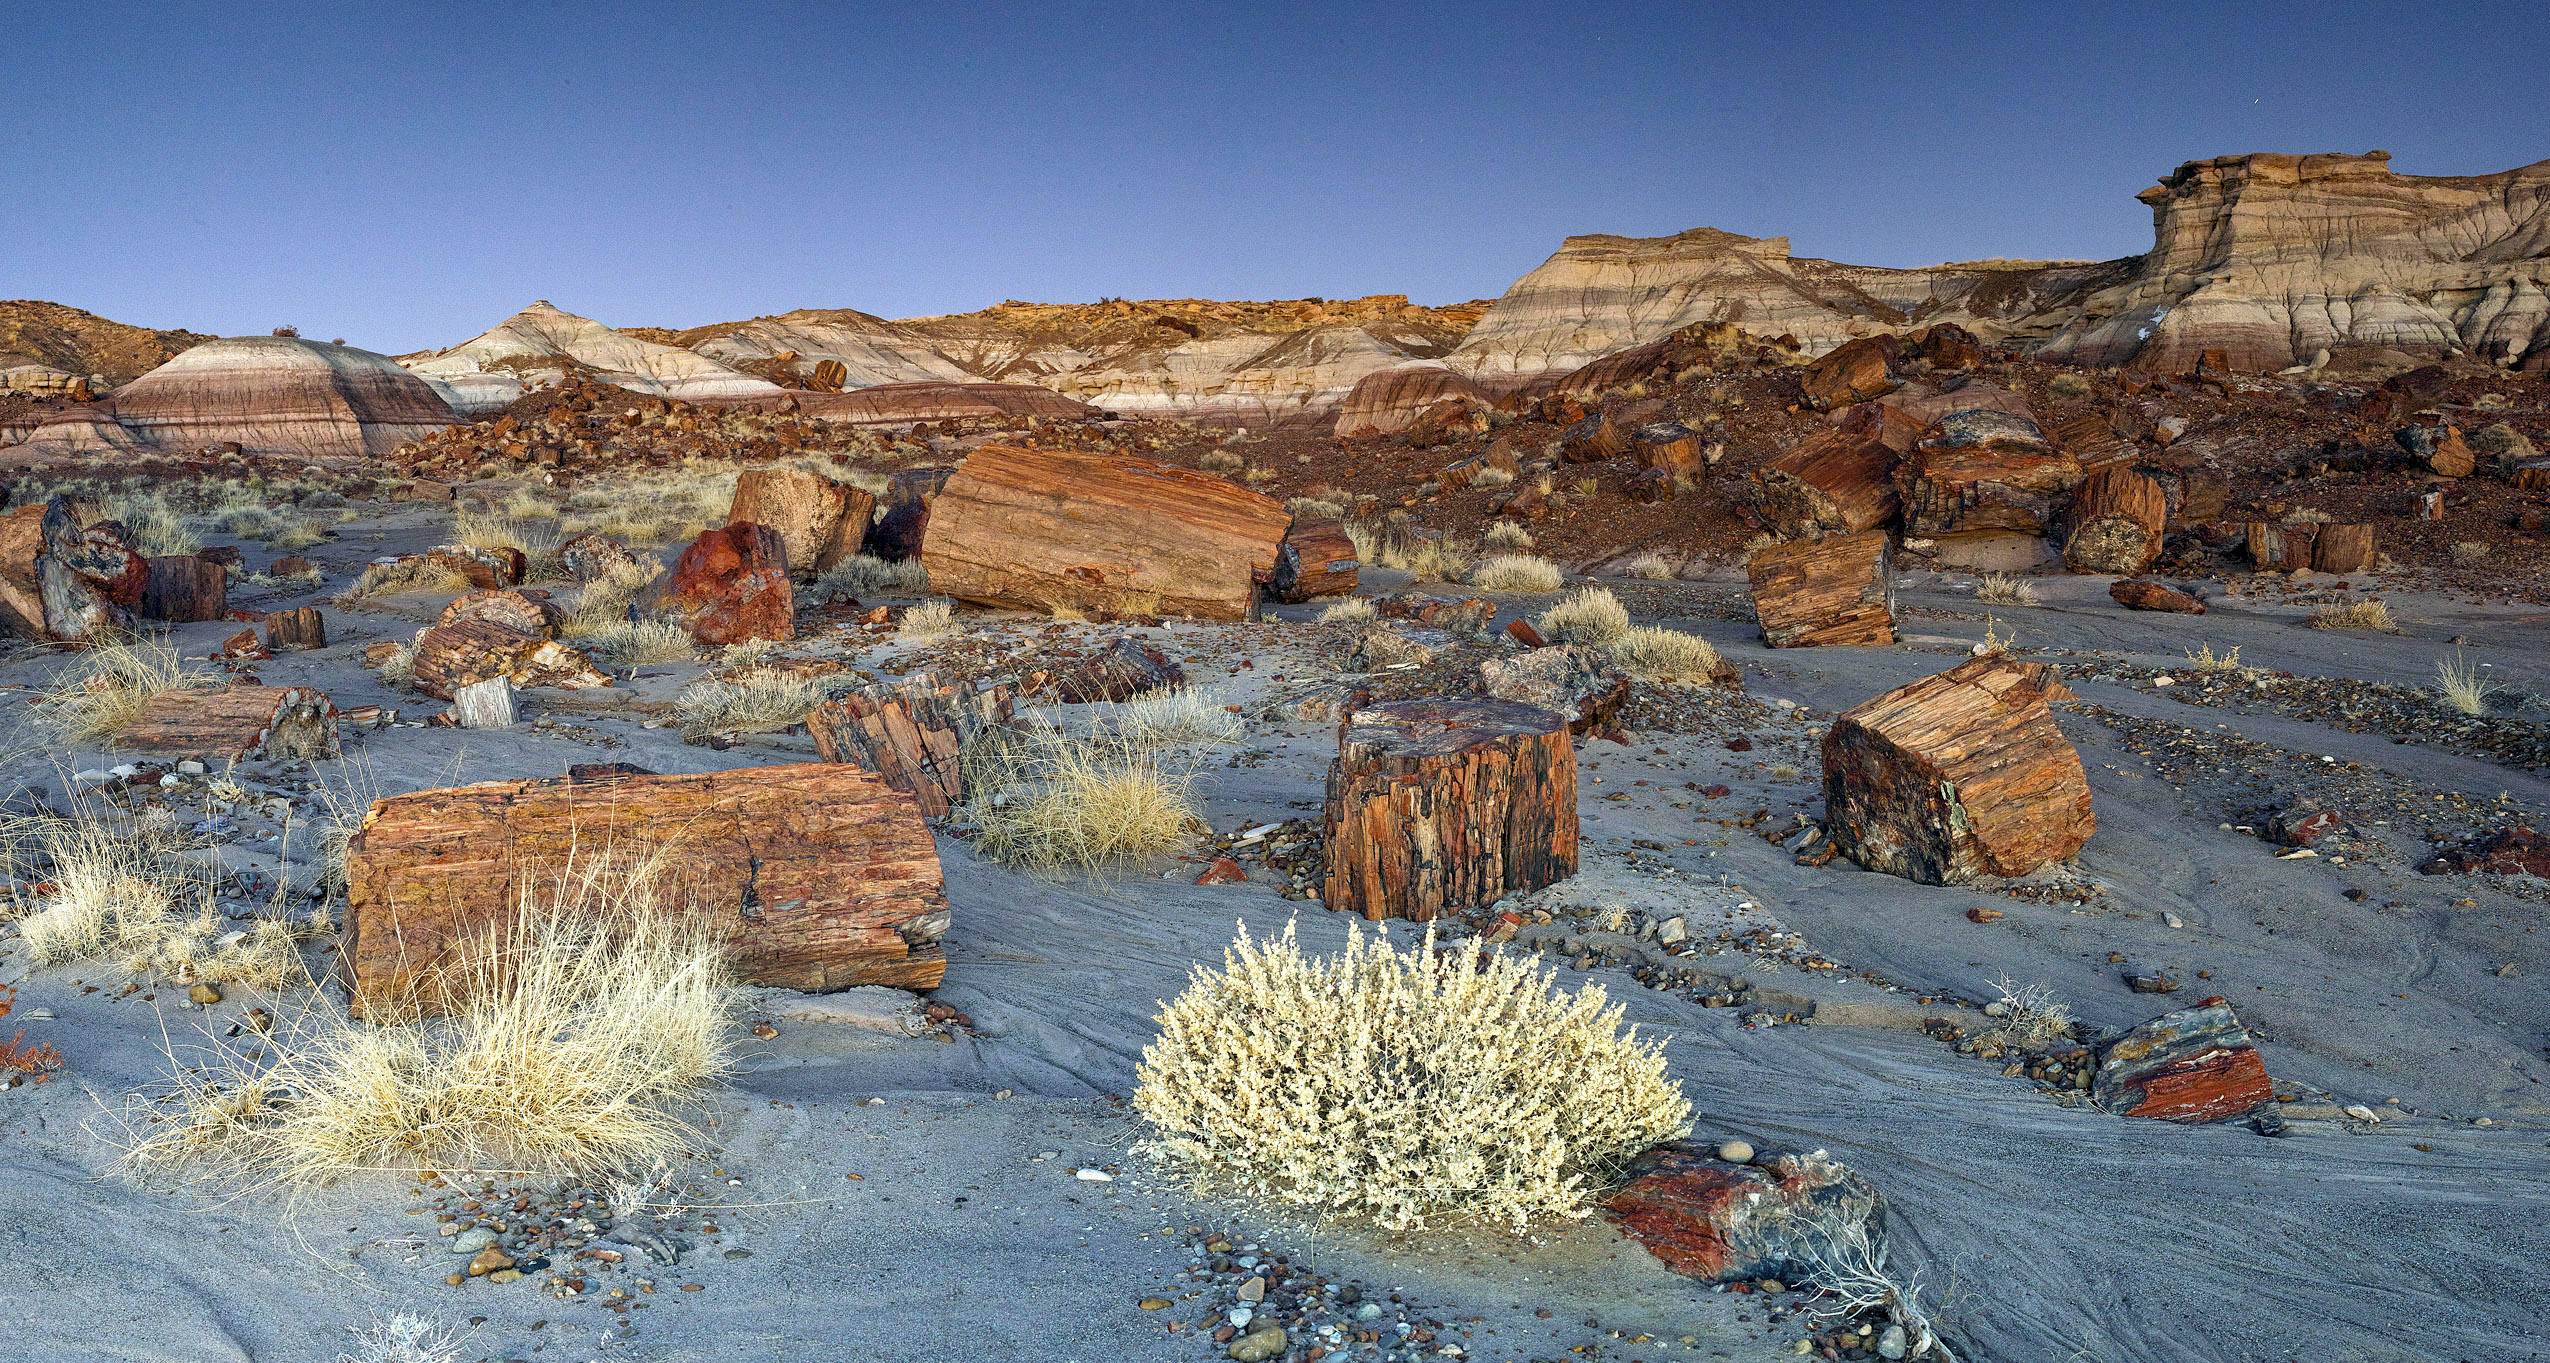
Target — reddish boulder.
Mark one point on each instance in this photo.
(730, 585)
(2141, 594)
(1223, 871)
(2194, 1065)
(2440, 448)
(1722, 1223)
(1855, 371)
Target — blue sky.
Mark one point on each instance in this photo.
(405, 176)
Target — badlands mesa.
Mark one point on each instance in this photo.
(1714, 805)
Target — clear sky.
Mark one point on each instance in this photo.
(406, 176)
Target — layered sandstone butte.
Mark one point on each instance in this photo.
(269, 394)
(543, 345)
(1387, 401)
(871, 350)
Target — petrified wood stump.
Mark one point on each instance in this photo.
(1956, 776)
(485, 704)
(2345, 548)
(1840, 478)
(819, 876)
(729, 585)
(1316, 559)
(235, 722)
(473, 649)
(1440, 805)
(1030, 529)
(913, 733)
(820, 520)
(2115, 522)
(1839, 589)
(299, 627)
(186, 589)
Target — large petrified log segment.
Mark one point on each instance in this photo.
(2439, 448)
(1574, 680)
(2194, 1065)
(1719, 1222)
(912, 733)
(2143, 594)
(816, 517)
(511, 608)
(904, 520)
(2115, 522)
(21, 595)
(98, 554)
(819, 876)
(472, 649)
(73, 608)
(1030, 529)
(235, 723)
(1854, 371)
(186, 589)
(1983, 470)
(1957, 776)
(1121, 670)
(1835, 590)
(2345, 548)
(299, 627)
(729, 585)
(1840, 478)
(1435, 806)
(1316, 559)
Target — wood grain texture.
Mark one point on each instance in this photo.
(913, 733)
(1316, 559)
(1435, 806)
(1833, 590)
(186, 589)
(2346, 548)
(298, 627)
(1027, 529)
(1980, 470)
(1957, 776)
(818, 876)
(2116, 522)
(225, 722)
(1840, 478)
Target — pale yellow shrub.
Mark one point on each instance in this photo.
(868, 575)
(1651, 566)
(100, 692)
(927, 623)
(1506, 535)
(2002, 589)
(2370, 613)
(752, 701)
(1516, 573)
(1437, 560)
(1354, 610)
(1651, 653)
(1588, 615)
(1051, 803)
(1411, 1088)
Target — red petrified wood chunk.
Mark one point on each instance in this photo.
(730, 585)
(2194, 1065)
(2143, 594)
(1223, 871)
(1721, 1222)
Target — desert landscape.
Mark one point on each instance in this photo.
(1713, 805)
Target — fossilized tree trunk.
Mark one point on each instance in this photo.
(242, 722)
(1440, 805)
(1840, 478)
(821, 521)
(2345, 548)
(2115, 522)
(299, 627)
(1030, 529)
(913, 734)
(186, 589)
(817, 876)
(1316, 559)
(1837, 589)
(1956, 776)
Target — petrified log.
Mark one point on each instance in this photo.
(449, 657)
(98, 554)
(1854, 371)
(1983, 470)
(2265, 544)
(2345, 548)
(828, 376)
(21, 596)
(2115, 522)
(510, 608)
(1123, 669)
(486, 566)
(186, 589)
(904, 521)
(820, 876)
(1571, 679)
(1435, 806)
(1649, 486)
(1956, 776)
(73, 609)
(1840, 478)
(1316, 559)
(235, 723)
(590, 557)
(913, 733)
(299, 627)
(1838, 589)
(729, 585)
(1671, 447)
(1593, 440)
(2142, 594)
(2440, 448)
(817, 518)
(1718, 1221)
(485, 704)
(2194, 1065)
(1031, 529)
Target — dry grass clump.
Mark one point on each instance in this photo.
(868, 575)
(579, 1027)
(1366, 539)
(1353, 610)
(1651, 566)
(1652, 653)
(2369, 613)
(1221, 461)
(103, 690)
(403, 1338)
(640, 643)
(1411, 1087)
(1178, 717)
(1516, 573)
(605, 603)
(2002, 589)
(414, 574)
(927, 623)
(2460, 688)
(2031, 1017)
(1051, 803)
(1314, 509)
(2204, 659)
(2467, 552)
(1508, 536)
(120, 889)
(1435, 560)
(292, 530)
(1489, 480)
(653, 507)
(752, 701)
(1588, 615)
(156, 529)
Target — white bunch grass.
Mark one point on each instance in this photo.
(1354, 610)
(1181, 717)
(1652, 653)
(1846, 1265)
(751, 701)
(1650, 565)
(1516, 573)
(1411, 1087)
(2459, 687)
(2033, 1016)
(1053, 803)
(927, 623)
(1588, 615)
(403, 1338)
(868, 575)
(2002, 589)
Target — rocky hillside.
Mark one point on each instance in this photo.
(34, 333)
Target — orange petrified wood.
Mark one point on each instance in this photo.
(1441, 805)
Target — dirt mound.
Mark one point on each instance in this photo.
(56, 336)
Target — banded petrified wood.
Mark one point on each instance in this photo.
(818, 876)
(820, 520)
(1839, 478)
(298, 627)
(1435, 806)
(186, 589)
(1031, 529)
(1957, 776)
(913, 733)
(1316, 559)
(1836, 589)
(2115, 522)
(235, 722)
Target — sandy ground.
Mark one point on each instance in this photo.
(2059, 1233)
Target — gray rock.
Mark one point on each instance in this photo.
(473, 1240)
(1891, 1344)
